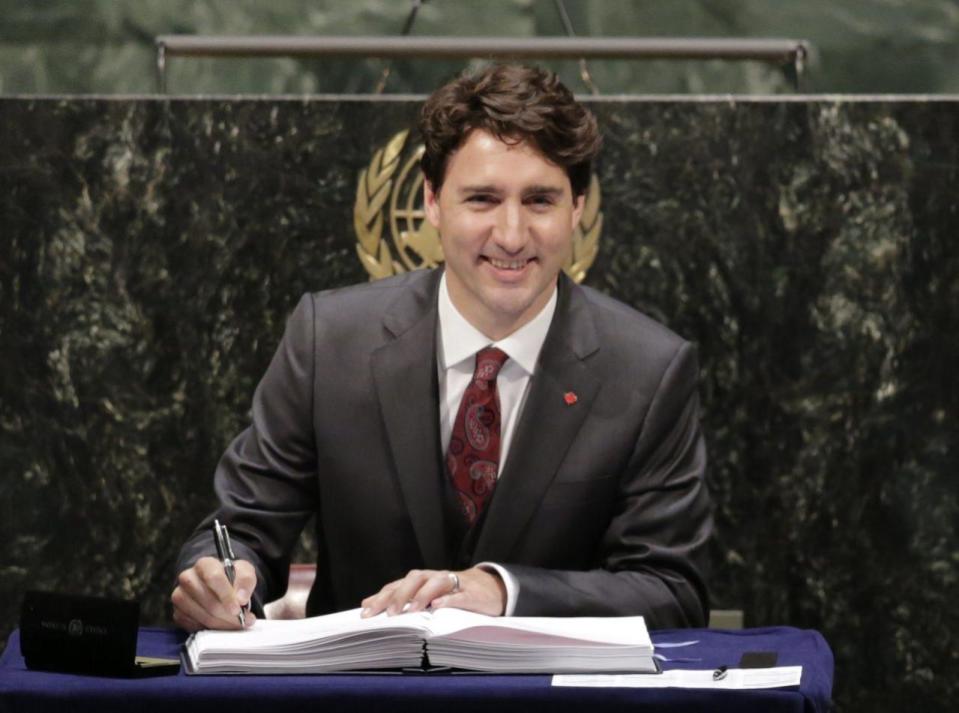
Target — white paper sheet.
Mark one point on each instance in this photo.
(736, 678)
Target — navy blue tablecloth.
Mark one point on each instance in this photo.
(24, 691)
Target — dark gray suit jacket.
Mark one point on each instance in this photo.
(601, 507)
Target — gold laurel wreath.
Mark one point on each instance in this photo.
(376, 181)
(586, 235)
(376, 185)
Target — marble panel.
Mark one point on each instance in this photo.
(150, 250)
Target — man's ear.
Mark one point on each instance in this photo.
(579, 202)
(431, 204)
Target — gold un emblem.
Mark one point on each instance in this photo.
(415, 242)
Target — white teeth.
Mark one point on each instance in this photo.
(507, 264)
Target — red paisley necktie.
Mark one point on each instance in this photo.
(472, 458)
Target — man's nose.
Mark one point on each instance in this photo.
(511, 228)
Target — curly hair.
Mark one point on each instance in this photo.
(514, 103)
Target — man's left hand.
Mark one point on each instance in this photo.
(472, 589)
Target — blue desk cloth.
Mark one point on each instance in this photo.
(24, 691)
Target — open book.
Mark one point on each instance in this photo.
(446, 638)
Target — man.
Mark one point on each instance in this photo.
(490, 436)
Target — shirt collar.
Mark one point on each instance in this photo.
(460, 340)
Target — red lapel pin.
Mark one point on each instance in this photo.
(570, 398)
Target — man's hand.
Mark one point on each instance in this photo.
(472, 589)
(205, 599)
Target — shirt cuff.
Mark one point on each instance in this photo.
(512, 586)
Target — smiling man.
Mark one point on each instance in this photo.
(490, 436)
(506, 216)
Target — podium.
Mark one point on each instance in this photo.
(27, 691)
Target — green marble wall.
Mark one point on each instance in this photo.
(150, 251)
(106, 46)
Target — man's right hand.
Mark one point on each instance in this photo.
(205, 599)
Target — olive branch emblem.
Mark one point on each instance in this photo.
(376, 180)
(380, 192)
(586, 235)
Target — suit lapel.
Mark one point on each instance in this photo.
(404, 374)
(548, 424)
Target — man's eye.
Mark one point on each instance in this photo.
(541, 200)
(480, 198)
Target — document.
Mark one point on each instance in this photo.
(735, 678)
(446, 638)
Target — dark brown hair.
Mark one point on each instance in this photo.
(514, 103)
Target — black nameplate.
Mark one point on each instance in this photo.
(79, 634)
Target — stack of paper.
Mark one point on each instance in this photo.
(449, 637)
(323, 644)
(538, 644)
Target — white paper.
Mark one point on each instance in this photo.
(452, 637)
(736, 679)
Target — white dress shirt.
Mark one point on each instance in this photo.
(458, 343)
(456, 348)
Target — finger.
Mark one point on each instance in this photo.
(384, 590)
(194, 588)
(393, 597)
(436, 585)
(198, 601)
(205, 608)
(212, 574)
(188, 607)
(389, 587)
(408, 586)
(376, 603)
(245, 583)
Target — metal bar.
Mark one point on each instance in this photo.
(788, 52)
(766, 50)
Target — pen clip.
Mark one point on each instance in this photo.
(227, 544)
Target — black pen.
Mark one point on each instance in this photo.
(225, 552)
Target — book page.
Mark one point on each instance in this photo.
(267, 633)
(582, 631)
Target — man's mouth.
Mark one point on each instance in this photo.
(508, 264)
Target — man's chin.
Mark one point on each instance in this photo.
(515, 306)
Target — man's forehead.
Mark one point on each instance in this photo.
(478, 156)
(508, 142)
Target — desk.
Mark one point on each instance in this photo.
(23, 691)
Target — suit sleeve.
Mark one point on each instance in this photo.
(266, 480)
(652, 557)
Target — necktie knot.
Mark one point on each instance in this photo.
(488, 363)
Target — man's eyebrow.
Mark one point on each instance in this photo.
(529, 190)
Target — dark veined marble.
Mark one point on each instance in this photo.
(151, 250)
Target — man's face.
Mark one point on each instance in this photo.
(505, 216)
